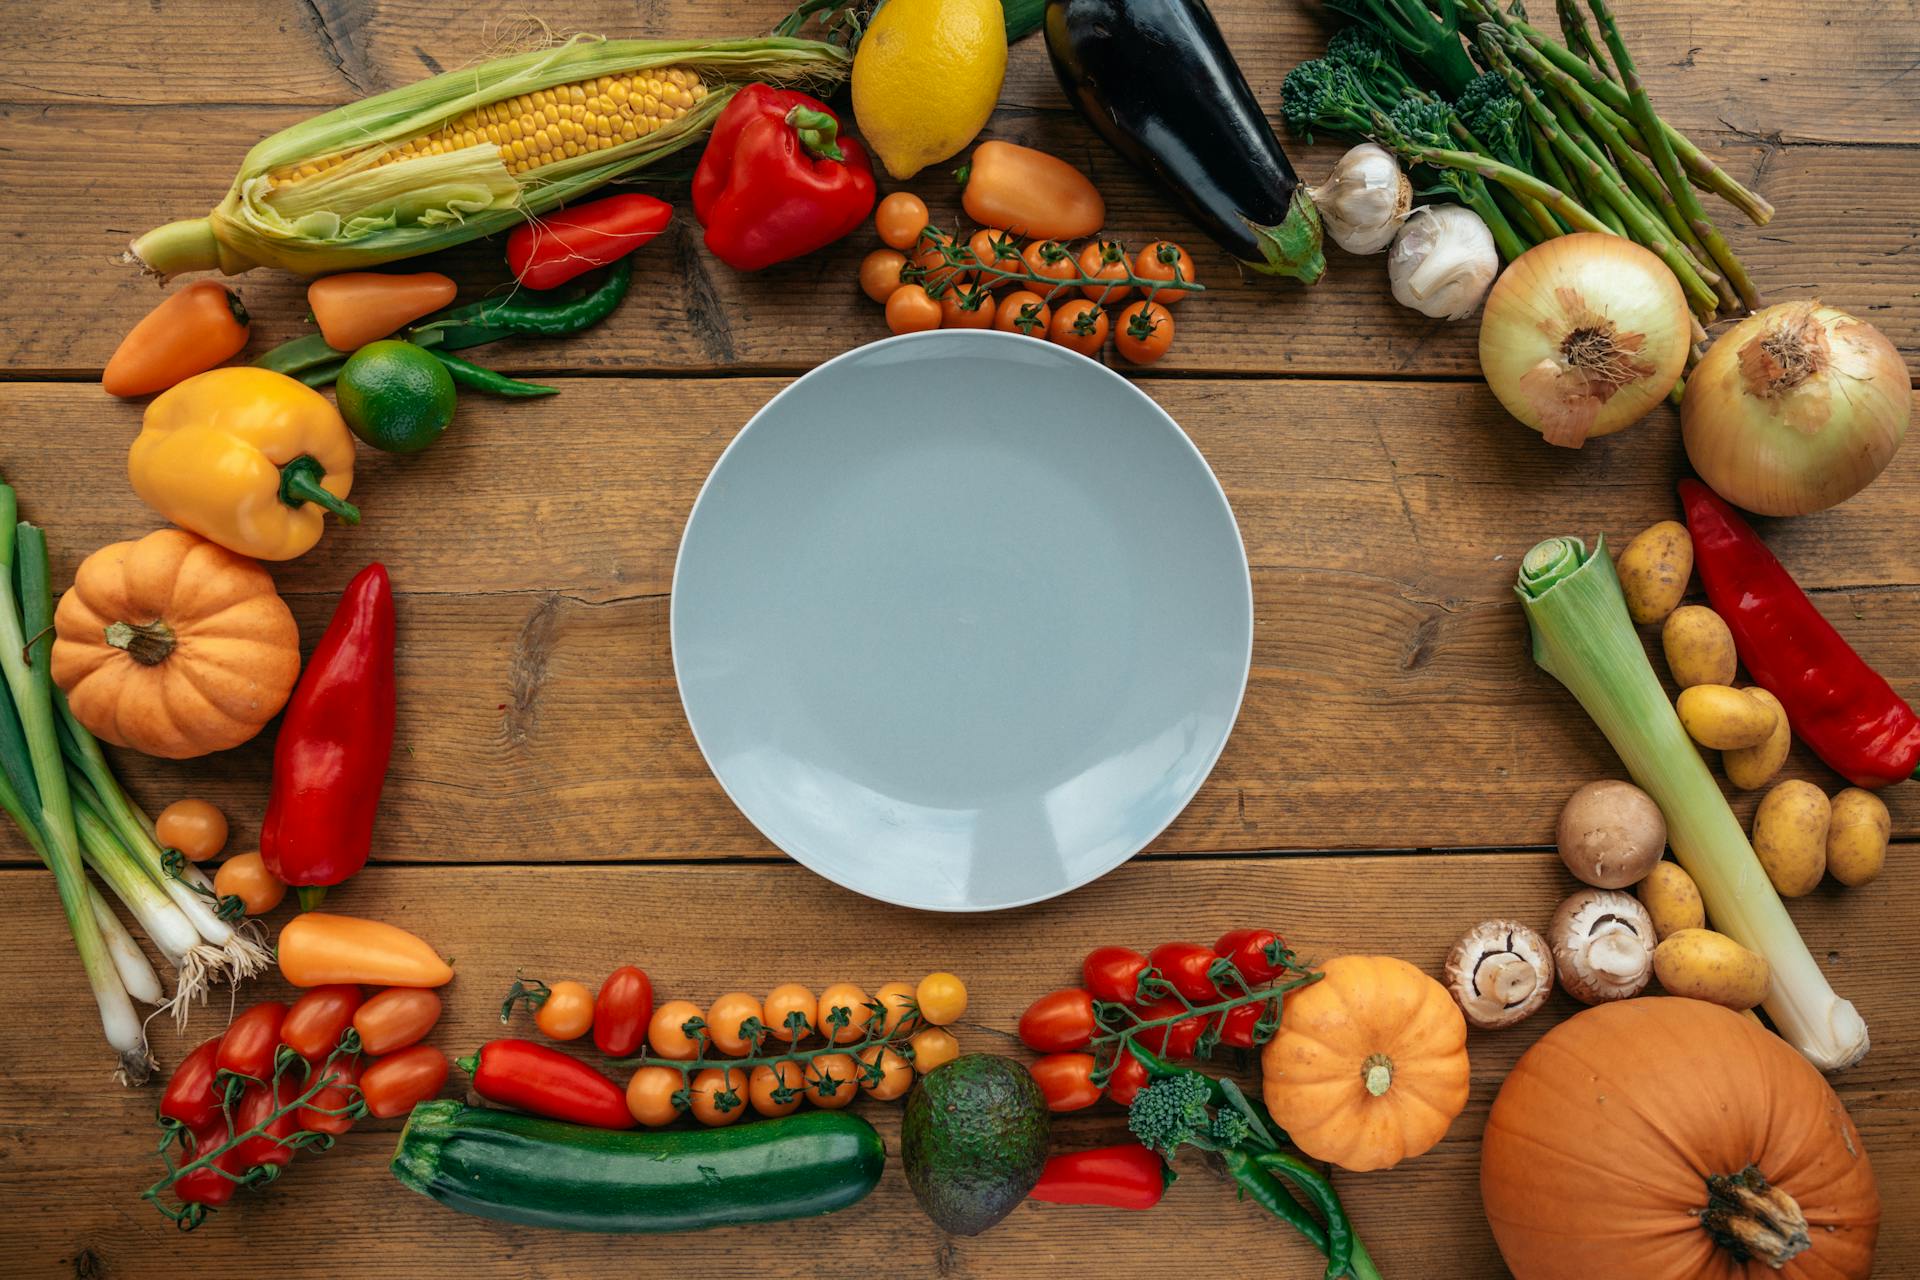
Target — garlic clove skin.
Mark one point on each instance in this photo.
(1443, 262)
(1364, 200)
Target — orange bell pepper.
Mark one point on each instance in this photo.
(358, 307)
(317, 949)
(189, 333)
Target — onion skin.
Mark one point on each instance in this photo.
(1571, 284)
(1779, 444)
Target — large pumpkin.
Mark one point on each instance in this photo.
(1369, 1065)
(1668, 1137)
(174, 645)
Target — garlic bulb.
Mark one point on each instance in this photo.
(1365, 199)
(1443, 261)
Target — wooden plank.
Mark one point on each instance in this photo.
(76, 1147)
(1392, 700)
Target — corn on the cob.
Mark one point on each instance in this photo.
(468, 153)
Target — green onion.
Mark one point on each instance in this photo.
(1583, 637)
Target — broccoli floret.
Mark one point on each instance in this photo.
(1230, 1128)
(1322, 94)
(1497, 119)
(1170, 1112)
(1427, 121)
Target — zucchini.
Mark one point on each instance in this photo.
(543, 1173)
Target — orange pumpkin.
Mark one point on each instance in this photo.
(174, 645)
(1369, 1065)
(1646, 1137)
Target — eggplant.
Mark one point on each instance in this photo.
(1156, 80)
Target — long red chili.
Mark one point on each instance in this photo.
(1128, 1176)
(331, 758)
(1836, 704)
(546, 1082)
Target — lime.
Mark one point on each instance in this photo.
(395, 396)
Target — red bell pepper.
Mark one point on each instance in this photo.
(777, 181)
(1836, 704)
(331, 758)
(1128, 1176)
(548, 252)
(546, 1082)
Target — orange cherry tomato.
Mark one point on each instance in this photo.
(895, 1078)
(719, 1097)
(1143, 332)
(336, 1097)
(967, 308)
(900, 218)
(897, 999)
(393, 1084)
(245, 876)
(942, 998)
(940, 275)
(651, 1094)
(784, 1079)
(1048, 260)
(194, 827)
(844, 1012)
(396, 1018)
(1080, 326)
(666, 1033)
(996, 249)
(1067, 1081)
(910, 310)
(188, 333)
(932, 1048)
(1023, 311)
(1104, 260)
(736, 1023)
(1165, 260)
(316, 1020)
(832, 1081)
(782, 1003)
(566, 1013)
(880, 273)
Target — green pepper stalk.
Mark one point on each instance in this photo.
(1562, 204)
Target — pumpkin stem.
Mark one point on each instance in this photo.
(1377, 1073)
(1750, 1218)
(147, 643)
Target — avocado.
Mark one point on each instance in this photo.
(974, 1140)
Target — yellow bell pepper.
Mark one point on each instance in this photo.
(248, 458)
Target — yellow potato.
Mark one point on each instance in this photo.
(1654, 570)
(1790, 836)
(1704, 965)
(1751, 768)
(1725, 718)
(1857, 836)
(1672, 899)
(1699, 647)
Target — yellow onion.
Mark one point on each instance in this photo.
(1795, 409)
(1582, 335)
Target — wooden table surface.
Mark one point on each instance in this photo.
(1394, 777)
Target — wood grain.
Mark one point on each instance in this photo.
(702, 930)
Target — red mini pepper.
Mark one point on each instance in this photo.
(331, 758)
(777, 180)
(546, 1082)
(1836, 704)
(553, 249)
(1128, 1176)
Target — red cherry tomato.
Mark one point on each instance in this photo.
(1112, 974)
(1058, 1022)
(1236, 1031)
(1127, 1079)
(391, 1085)
(313, 1025)
(337, 1096)
(190, 1097)
(1067, 1081)
(257, 1102)
(207, 1185)
(1176, 1040)
(1256, 953)
(396, 1018)
(1184, 965)
(621, 1012)
(251, 1041)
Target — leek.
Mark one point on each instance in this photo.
(1583, 637)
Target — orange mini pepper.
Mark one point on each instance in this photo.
(317, 949)
(189, 333)
(1031, 194)
(358, 307)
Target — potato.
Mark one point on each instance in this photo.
(1699, 647)
(1751, 768)
(1790, 836)
(1725, 718)
(1857, 836)
(1654, 570)
(1672, 899)
(1704, 965)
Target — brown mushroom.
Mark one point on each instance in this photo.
(1602, 945)
(1611, 834)
(1499, 972)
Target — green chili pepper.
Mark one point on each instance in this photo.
(468, 374)
(309, 359)
(1265, 1190)
(482, 322)
(1320, 1192)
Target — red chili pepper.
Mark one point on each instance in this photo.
(1236, 1029)
(1836, 704)
(190, 1097)
(553, 249)
(777, 181)
(1127, 1079)
(1113, 974)
(621, 1012)
(1184, 965)
(314, 1024)
(547, 1082)
(1124, 1177)
(331, 758)
(335, 1097)
(1259, 954)
(257, 1102)
(252, 1041)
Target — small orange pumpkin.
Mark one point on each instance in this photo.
(1670, 1137)
(174, 645)
(1369, 1065)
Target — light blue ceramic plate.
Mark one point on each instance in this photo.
(961, 620)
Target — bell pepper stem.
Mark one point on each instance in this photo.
(819, 132)
(300, 482)
(310, 895)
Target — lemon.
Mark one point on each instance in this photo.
(926, 78)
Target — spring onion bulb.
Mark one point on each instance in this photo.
(1583, 637)
(163, 922)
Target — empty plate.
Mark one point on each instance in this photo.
(961, 620)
